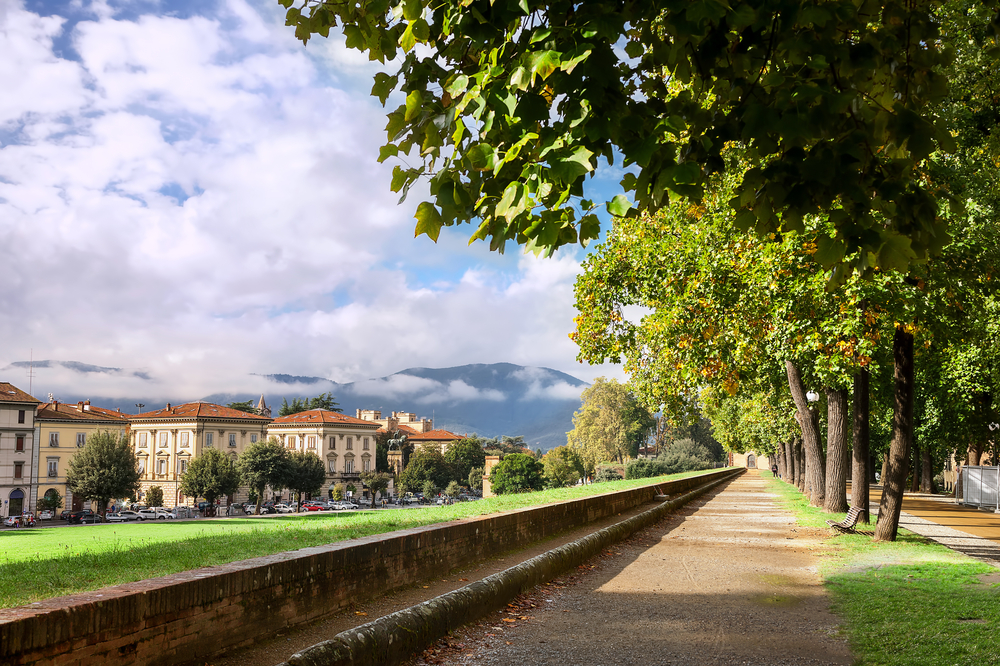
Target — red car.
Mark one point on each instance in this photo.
(312, 506)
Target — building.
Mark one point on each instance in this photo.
(345, 444)
(61, 430)
(166, 440)
(752, 460)
(419, 432)
(18, 449)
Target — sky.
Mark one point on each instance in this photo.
(192, 195)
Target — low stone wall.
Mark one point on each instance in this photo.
(193, 615)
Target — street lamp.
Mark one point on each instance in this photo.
(812, 396)
(138, 407)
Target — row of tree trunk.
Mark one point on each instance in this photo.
(824, 478)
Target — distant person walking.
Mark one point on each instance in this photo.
(774, 470)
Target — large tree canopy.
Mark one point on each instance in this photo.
(511, 104)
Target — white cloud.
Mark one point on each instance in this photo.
(200, 198)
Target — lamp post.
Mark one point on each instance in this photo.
(138, 407)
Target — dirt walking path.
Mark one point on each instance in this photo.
(729, 580)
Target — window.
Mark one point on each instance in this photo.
(142, 465)
(368, 465)
(53, 439)
(18, 470)
(20, 416)
(348, 464)
(333, 443)
(142, 440)
(19, 443)
(312, 441)
(81, 439)
(184, 466)
(161, 466)
(53, 465)
(232, 439)
(209, 438)
(333, 465)
(350, 443)
(163, 440)
(253, 438)
(366, 444)
(185, 440)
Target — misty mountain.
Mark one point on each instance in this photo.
(489, 399)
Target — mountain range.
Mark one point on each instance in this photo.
(491, 400)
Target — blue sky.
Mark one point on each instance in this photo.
(188, 191)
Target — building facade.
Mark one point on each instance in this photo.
(167, 440)
(345, 444)
(18, 450)
(62, 430)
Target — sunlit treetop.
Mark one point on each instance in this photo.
(511, 104)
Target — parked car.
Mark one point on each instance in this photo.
(82, 517)
(345, 505)
(313, 506)
(284, 508)
(64, 514)
(45, 515)
(125, 516)
(156, 513)
(26, 520)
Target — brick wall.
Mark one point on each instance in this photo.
(192, 615)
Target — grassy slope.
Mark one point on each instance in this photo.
(908, 603)
(41, 563)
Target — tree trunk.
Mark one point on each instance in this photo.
(902, 438)
(860, 489)
(915, 477)
(836, 451)
(975, 453)
(926, 471)
(885, 467)
(809, 424)
(800, 465)
(789, 447)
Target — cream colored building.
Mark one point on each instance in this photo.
(418, 431)
(167, 440)
(62, 430)
(18, 450)
(345, 444)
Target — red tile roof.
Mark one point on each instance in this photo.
(430, 435)
(318, 416)
(57, 411)
(10, 393)
(198, 410)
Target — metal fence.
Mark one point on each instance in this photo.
(979, 487)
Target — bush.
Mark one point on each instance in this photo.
(685, 455)
(607, 473)
(517, 473)
(643, 469)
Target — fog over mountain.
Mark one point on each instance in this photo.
(489, 399)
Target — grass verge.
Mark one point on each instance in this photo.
(38, 563)
(911, 602)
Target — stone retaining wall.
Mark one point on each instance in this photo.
(193, 615)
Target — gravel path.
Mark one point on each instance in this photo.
(729, 580)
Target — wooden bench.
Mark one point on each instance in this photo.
(846, 526)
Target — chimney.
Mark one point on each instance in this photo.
(168, 406)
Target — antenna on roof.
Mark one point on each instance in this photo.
(31, 369)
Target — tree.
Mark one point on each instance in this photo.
(246, 406)
(563, 467)
(211, 475)
(453, 490)
(517, 473)
(476, 479)
(306, 473)
(51, 500)
(377, 482)
(464, 456)
(154, 496)
(512, 107)
(106, 467)
(429, 489)
(610, 424)
(426, 464)
(264, 463)
(322, 401)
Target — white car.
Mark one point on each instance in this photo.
(284, 508)
(45, 515)
(156, 513)
(123, 517)
(346, 504)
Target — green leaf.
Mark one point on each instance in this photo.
(412, 9)
(408, 39)
(543, 63)
(895, 253)
(384, 84)
(513, 201)
(687, 173)
(414, 105)
(458, 85)
(829, 251)
(396, 124)
(428, 221)
(572, 167)
(482, 157)
(618, 206)
(387, 151)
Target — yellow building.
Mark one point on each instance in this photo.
(18, 450)
(62, 430)
(168, 439)
(345, 444)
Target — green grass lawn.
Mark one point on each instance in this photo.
(912, 602)
(41, 563)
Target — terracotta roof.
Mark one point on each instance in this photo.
(57, 411)
(317, 416)
(430, 435)
(10, 393)
(198, 410)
